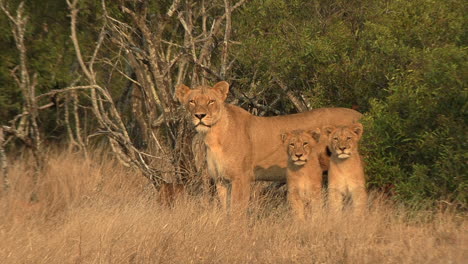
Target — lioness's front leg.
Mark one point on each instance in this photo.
(223, 192)
(240, 194)
(223, 185)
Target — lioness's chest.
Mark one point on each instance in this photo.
(216, 157)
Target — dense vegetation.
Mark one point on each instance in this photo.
(403, 64)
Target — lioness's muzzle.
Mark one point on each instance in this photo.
(202, 124)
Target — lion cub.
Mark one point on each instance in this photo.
(304, 171)
(346, 172)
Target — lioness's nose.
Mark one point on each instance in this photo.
(299, 155)
(200, 116)
(342, 148)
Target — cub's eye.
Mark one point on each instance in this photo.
(211, 102)
(192, 102)
(305, 144)
(291, 145)
(348, 138)
(335, 139)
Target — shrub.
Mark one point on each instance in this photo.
(416, 137)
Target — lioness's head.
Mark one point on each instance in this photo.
(205, 104)
(343, 141)
(300, 144)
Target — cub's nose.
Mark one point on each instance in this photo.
(342, 148)
(298, 155)
(200, 116)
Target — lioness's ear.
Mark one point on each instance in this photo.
(284, 136)
(357, 129)
(181, 92)
(223, 88)
(316, 133)
(327, 130)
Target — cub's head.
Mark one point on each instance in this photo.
(300, 144)
(205, 104)
(343, 141)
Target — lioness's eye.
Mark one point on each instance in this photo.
(211, 102)
(305, 144)
(348, 138)
(291, 145)
(335, 138)
(192, 102)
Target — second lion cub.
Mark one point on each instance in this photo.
(346, 172)
(304, 171)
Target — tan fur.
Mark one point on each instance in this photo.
(242, 147)
(169, 192)
(304, 173)
(346, 172)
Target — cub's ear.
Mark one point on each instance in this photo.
(327, 130)
(181, 93)
(358, 129)
(223, 88)
(316, 133)
(284, 137)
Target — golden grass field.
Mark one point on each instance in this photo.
(95, 211)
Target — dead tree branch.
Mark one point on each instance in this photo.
(187, 43)
(298, 102)
(108, 117)
(3, 161)
(227, 36)
(28, 129)
(161, 57)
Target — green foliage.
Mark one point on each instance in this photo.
(48, 49)
(315, 48)
(403, 62)
(416, 138)
(50, 54)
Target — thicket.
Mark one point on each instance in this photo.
(401, 63)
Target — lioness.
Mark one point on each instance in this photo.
(346, 172)
(242, 147)
(304, 173)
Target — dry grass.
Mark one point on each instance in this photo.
(98, 212)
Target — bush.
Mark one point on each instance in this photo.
(416, 138)
(403, 63)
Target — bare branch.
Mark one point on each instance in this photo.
(3, 161)
(298, 103)
(72, 143)
(227, 36)
(98, 45)
(173, 8)
(74, 37)
(238, 4)
(28, 129)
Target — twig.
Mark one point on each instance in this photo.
(298, 102)
(3, 161)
